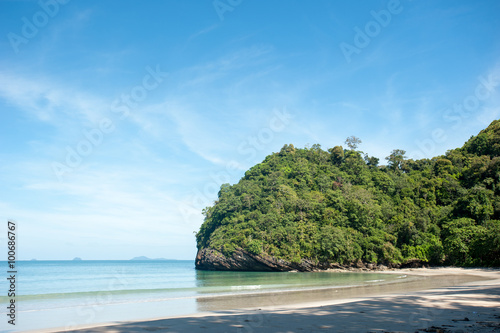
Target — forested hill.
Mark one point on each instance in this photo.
(308, 208)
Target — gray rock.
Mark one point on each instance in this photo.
(241, 260)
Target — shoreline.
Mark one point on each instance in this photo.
(437, 299)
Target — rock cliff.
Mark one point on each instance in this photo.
(241, 260)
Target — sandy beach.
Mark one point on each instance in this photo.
(440, 300)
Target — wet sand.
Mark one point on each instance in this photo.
(427, 300)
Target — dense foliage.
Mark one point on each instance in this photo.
(340, 206)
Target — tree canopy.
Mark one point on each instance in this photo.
(339, 206)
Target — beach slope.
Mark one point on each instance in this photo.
(468, 307)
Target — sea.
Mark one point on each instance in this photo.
(71, 294)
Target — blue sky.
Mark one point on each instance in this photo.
(119, 120)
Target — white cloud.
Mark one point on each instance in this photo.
(50, 102)
(110, 207)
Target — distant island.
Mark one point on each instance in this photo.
(307, 209)
(146, 258)
(77, 259)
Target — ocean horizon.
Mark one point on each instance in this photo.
(71, 293)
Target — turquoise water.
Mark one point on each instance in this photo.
(73, 293)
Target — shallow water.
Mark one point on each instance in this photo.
(68, 294)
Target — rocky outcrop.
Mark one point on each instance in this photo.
(241, 260)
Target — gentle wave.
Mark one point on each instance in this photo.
(246, 287)
(82, 294)
(254, 291)
(158, 295)
(199, 291)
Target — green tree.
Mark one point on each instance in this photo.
(352, 142)
(371, 161)
(336, 154)
(338, 206)
(396, 158)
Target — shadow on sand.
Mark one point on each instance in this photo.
(454, 309)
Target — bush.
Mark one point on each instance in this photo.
(254, 246)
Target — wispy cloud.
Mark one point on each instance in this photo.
(108, 202)
(240, 59)
(48, 101)
(202, 32)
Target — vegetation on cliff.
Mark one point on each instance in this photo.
(340, 206)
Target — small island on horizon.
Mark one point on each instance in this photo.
(146, 258)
